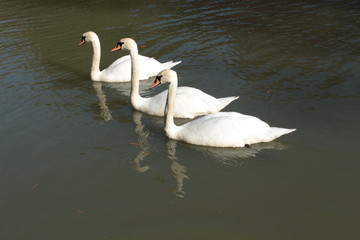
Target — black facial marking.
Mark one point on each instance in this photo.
(158, 77)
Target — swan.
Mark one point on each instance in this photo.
(222, 129)
(191, 102)
(120, 70)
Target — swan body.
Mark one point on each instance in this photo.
(191, 102)
(221, 129)
(196, 101)
(120, 70)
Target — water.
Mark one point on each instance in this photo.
(77, 162)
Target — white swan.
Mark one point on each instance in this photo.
(120, 70)
(191, 102)
(222, 129)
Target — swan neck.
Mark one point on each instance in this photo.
(134, 94)
(170, 108)
(95, 67)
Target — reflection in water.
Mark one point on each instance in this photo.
(232, 156)
(227, 156)
(105, 111)
(142, 141)
(124, 88)
(295, 62)
(177, 169)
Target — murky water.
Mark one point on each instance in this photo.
(76, 162)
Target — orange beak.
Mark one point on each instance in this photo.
(156, 83)
(82, 42)
(118, 47)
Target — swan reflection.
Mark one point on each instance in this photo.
(179, 171)
(142, 143)
(104, 109)
(234, 156)
(228, 156)
(120, 89)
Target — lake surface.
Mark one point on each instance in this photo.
(77, 162)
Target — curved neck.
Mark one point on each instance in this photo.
(170, 108)
(134, 94)
(95, 67)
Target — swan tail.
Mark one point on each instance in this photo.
(276, 132)
(226, 101)
(170, 64)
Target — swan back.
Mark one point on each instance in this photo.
(228, 129)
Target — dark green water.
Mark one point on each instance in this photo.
(77, 162)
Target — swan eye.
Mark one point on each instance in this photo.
(158, 77)
(83, 41)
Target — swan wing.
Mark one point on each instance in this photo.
(120, 70)
(227, 129)
(190, 102)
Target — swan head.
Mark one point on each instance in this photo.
(88, 37)
(165, 76)
(125, 43)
